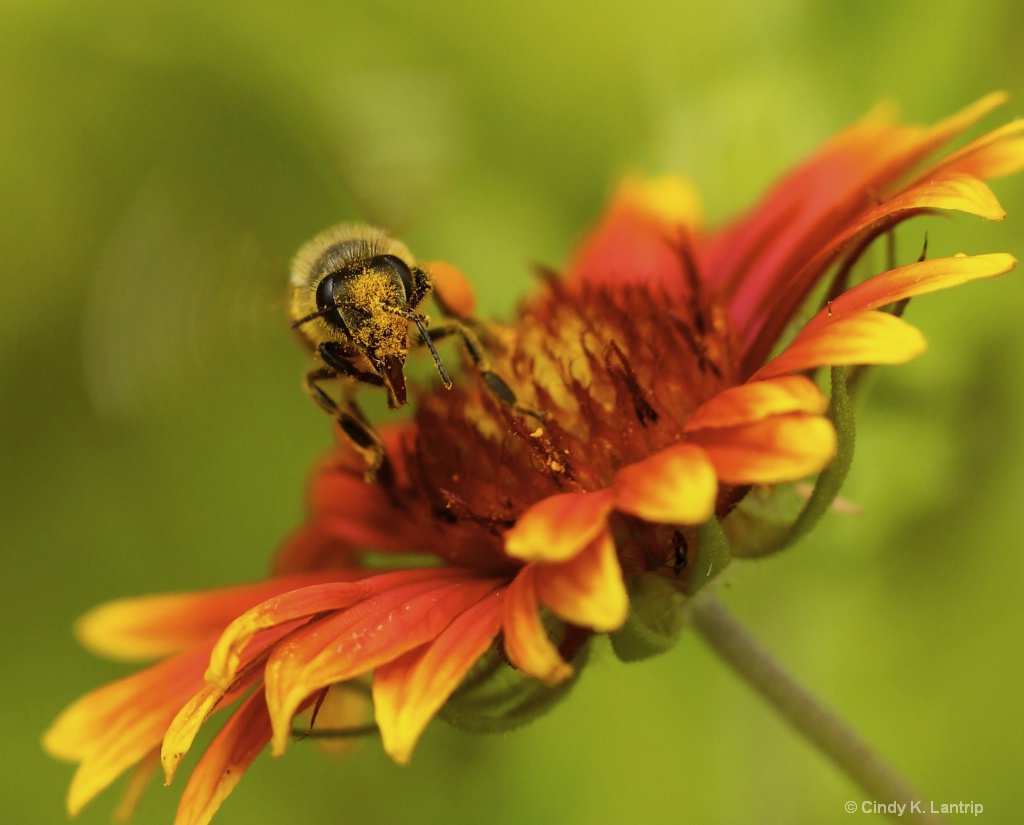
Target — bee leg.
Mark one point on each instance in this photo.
(353, 423)
(335, 357)
(478, 355)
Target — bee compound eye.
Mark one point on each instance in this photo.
(396, 266)
(326, 300)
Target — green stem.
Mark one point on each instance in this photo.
(826, 731)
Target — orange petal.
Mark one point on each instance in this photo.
(452, 289)
(857, 338)
(353, 642)
(224, 761)
(998, 153)
(526, 640)
(783, 448)
(135, 787)
(115, 727)
(558, 527)
(408, 691)
(152, 627)
(766, 264)
(950, 191)
(674, 486)
(587, 590)
(914, 279)
(756, 400)
(182, 730)
(298, 604)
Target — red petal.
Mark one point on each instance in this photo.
(637, 240)
(767, 263)
(301, 604)
(353, 642)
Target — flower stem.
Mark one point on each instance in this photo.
(737, 647)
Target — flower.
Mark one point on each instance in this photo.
(657, 392)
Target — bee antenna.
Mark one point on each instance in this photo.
(418, 321)
(319, 313)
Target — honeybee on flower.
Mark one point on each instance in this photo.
(653, 357)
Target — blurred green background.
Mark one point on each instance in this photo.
(159, 164)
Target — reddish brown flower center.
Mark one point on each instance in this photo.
(613, 377)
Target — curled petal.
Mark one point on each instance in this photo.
(857, 338)
(756, 400)
(674, 486)
(408, 691)
(183, 729)
(783, 448)
(588, 589)
(951, 192)
(354, 642)
(224, 761)
(152, 627)
(914, 279)
(560, 526)
(526, 639)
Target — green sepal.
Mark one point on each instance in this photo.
(655, 619)
(496, 697)
(760, 526)
(712, 556)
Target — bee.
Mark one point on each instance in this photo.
(356, 294)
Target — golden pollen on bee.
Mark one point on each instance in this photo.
(377, 296)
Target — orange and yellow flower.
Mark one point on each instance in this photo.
(659, 359)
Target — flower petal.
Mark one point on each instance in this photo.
(299, 604)
(152, 627)
(998, 153)
(951, 192)
(353, 642)
(452, 289)
(857, 338)
(637, 240)
(914, 279)
(228, 756)
(756, 400)
(115, 727)
(526, 639)
(783, 448)
(587, 590)
(558, 527)
(674, 486)
(408, 691)
(186, 724)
